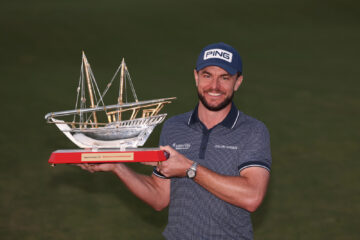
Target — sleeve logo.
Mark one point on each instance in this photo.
(183, 146)
(218, 53)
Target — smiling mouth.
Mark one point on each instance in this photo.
(214, 94)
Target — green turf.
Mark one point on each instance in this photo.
(301, 77)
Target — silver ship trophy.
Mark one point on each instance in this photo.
(108, 133)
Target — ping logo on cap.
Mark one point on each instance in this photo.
(218, 53)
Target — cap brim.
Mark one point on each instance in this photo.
(227, 68)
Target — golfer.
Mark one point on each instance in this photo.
(219, 159)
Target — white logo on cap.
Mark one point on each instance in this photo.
(218, 53)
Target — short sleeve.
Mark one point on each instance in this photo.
(162, 142)
(256, 152)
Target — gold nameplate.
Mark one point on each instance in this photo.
(106, 157)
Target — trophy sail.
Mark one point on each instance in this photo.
(125, 124)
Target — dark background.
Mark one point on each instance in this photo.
(301, 78)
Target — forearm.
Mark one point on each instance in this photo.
(246, 190)
(149, 189)
(241, 191)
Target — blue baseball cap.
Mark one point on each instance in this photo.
(221, 55)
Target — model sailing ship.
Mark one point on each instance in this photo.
(125, 124)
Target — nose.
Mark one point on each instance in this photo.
(214, 83)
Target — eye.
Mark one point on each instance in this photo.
(225, 77)
(206, 75)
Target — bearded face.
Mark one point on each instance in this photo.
(216, 87)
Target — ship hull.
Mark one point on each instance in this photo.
(110, 134)
(124, 134)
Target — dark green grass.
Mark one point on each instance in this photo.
(301, 78)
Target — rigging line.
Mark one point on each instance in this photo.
(83, 96)
(125, 90)
(77, 94)
(92, 83)
(98, 91)
(110, 83)
(131, 85)
(84, 116)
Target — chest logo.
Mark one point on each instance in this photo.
(226, 147)
(182, 146)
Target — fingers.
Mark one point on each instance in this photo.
(163, 167)
(88, 167)
(159, 167)
(149, 163)
(169, 151)
(166, 148)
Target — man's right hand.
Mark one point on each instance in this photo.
(99, 167)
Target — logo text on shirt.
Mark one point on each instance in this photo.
(183, 146)
(226, 147)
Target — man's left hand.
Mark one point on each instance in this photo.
(176, 165)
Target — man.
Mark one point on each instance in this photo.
(219, 159)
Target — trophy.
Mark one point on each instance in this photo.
(108, 133)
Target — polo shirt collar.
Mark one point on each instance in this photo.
(229, 121)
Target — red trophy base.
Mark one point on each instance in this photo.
(74, 156)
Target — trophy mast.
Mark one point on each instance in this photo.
(121, 89)
(87, 65)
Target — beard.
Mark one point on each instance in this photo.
(220, 106)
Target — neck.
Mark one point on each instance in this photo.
(212, 118)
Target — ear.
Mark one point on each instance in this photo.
(238, 82)
(196, 77)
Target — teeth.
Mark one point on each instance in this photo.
(214, 94)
